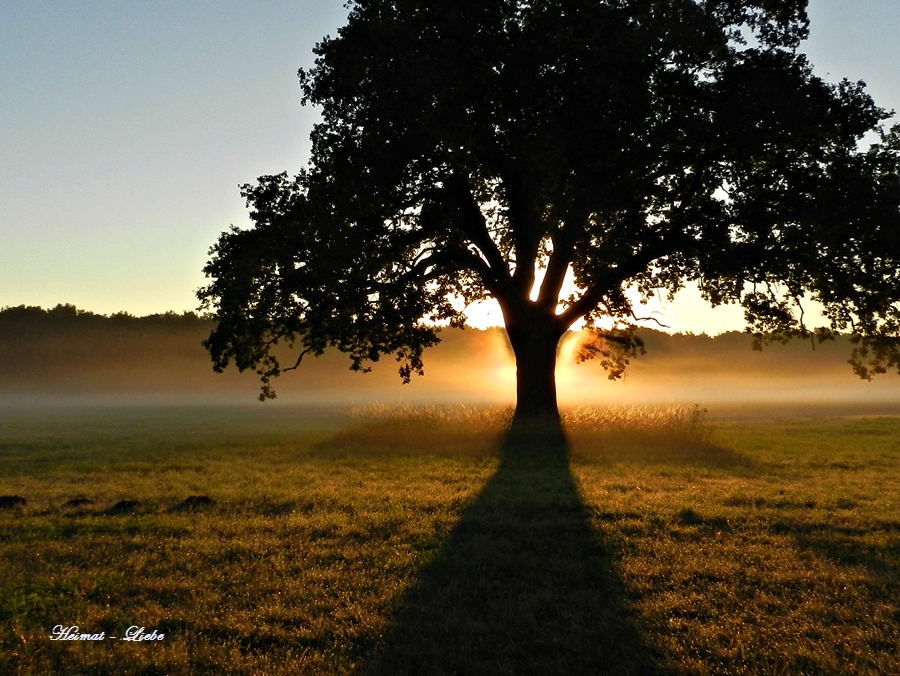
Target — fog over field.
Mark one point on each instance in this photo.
(68, 356)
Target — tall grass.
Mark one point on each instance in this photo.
(595, 434)
(680, 422)
(686, 423)
(434, 414)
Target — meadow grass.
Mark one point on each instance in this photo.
(392, 540)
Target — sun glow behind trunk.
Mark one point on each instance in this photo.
(572, 379)
(687, 313)
(567, 374)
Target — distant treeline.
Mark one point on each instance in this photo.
(32, 317)
(64, 351)
(67, 350)
(34, 340)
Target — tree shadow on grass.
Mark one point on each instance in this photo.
(638, 448)
(871, 544)
(524, 585)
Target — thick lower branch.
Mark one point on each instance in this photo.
(560, 259)
(527, 232)
(470, 221)
(614, 278)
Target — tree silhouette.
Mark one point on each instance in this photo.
(470, 149)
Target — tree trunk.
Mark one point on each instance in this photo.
(534, 337)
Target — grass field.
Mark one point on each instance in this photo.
(414, 542)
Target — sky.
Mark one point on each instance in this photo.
(127, 127)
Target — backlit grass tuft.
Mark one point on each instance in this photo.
(683, 422)
(458, 415)
(680, 422)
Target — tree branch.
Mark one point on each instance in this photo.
(525, 225)
(558, 265)
(614, 278)
(493, 269)
(299, 359)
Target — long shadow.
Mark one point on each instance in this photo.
(871, 544)
(524, 585)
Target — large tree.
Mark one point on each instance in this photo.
(470, 148)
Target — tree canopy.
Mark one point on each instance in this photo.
(468, 149)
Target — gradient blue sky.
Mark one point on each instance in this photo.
(126, 127)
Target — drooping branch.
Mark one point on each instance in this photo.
(299, 359)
